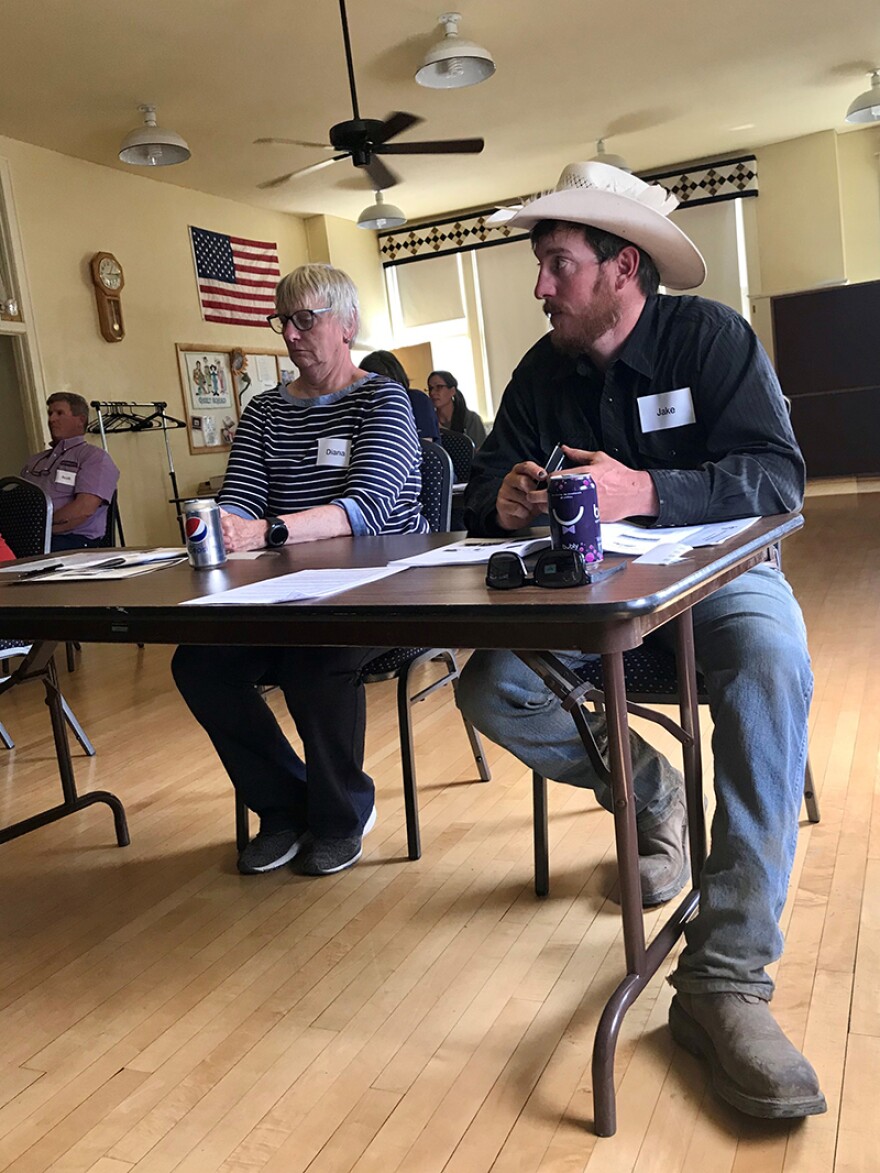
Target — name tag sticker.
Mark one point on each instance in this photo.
(65, 476)
(334, 453)
(669, 409)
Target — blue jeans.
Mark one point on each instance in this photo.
(751, 649)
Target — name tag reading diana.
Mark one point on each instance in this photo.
(670, 409)
(333, 453)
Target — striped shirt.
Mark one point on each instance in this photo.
(370, 467)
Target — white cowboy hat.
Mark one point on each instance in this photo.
(606, 197)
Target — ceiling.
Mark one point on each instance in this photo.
(664, 83)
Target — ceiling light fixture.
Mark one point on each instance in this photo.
(603, 156)
(152, 146)
(454, 63)
(381, 215)
(866, 107)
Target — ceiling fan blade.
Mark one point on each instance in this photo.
(302, 171)
(294, 142)
(451, 146)
(396, 124)
(381, 175)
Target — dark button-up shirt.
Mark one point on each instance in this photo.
(738, 458)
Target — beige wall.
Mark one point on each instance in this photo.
(858, 156)
(67, 211)
(356, 250)
(800, 235)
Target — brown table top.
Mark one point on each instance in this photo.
(444, 606)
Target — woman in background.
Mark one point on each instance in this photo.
(383, 362)
(452, 411)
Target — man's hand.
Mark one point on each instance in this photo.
(519, 499)
(623, 492)
(241, 533)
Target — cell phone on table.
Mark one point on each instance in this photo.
(553, 463)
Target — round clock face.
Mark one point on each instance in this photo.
(110, 273)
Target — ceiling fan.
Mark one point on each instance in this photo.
(363, 139)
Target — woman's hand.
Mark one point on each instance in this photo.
(241, 533)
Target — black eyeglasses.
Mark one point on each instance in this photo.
(554, 568)
(302, 319)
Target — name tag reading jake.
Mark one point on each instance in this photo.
(670, 409)
(65, 476)
(333, 453)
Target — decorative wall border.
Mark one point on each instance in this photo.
(724, 179)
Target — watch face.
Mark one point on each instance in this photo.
(110, 273)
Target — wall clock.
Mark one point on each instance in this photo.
(108, 281)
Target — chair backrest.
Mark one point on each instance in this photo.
(461, 451)
(112, 522)
(436, 495)
(25, 517)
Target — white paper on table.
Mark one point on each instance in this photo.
(717, 532)
(472, 552)
(664, 554)
(81, 566)
(298, 586)
(619, 537)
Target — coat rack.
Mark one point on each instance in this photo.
(122, 416)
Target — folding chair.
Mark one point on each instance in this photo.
(26, 524)
(651, 679)
(399, 664)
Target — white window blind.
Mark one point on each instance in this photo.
(512, 319)
(716, 230)
(430, 291)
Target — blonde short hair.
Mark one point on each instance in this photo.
(317, 286)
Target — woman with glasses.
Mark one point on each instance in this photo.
(331, 452)
(453, 412)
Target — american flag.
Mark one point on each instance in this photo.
(236, 277)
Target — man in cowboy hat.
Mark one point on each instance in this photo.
(673, 408)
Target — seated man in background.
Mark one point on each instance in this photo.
(79, 478)
(673, 408)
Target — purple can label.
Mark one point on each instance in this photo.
(574, 515)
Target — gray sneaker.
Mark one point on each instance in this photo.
(335, 855)
(269, 850)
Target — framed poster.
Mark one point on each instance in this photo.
(209, 401)
(253, 372)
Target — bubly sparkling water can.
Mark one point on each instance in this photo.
(574, 515)
(204, 535)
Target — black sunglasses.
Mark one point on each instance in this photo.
(554, 568)
(302, 319)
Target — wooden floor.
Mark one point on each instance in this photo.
(159, 1012)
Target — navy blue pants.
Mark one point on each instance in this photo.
(328, 792)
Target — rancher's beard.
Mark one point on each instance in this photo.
(577, 335)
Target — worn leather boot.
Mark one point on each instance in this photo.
(664, 859)
(754, 1066)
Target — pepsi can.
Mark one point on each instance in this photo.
(204, 534)
(574, 515)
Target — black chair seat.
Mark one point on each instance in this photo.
(387, 666)
(648, 670)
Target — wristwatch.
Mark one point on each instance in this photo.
(277, 533)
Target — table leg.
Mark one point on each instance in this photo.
(39, 665)
(641, 962)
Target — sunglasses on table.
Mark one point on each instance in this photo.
(302, 319)
(554, 568)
